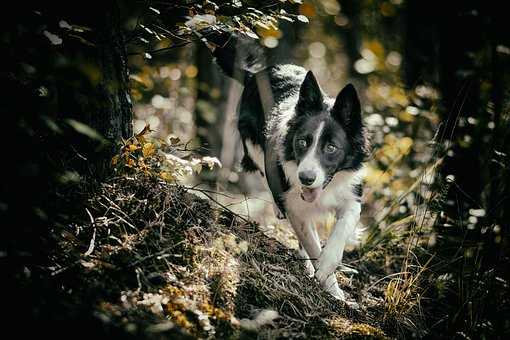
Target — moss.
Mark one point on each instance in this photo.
(346, 328)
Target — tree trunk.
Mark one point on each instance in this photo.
(99, 96)
(62, 65)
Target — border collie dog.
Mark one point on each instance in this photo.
(309, 147)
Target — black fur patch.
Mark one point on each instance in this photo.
(358, 191)
(248, 164)
(343, 129)
(343, 125)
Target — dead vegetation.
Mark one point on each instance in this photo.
(151, 259)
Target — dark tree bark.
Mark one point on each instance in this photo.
(53, 76)
(99, 95)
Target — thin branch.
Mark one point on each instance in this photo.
(93, 240)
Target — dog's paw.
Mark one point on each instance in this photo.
(309, 269)
(321, 276)
(324, 270)
(338, 294)
(330, 285)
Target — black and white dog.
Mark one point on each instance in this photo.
(310, 148)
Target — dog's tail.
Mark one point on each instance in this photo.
(235, 53)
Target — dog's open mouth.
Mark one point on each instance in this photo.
(310, 194)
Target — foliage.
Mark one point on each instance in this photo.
(155, 157)
(243, 16)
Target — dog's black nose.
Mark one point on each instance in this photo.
(307, 177)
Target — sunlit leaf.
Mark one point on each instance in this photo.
(251, 34)
(53, 38)
(200, 21)
(211, 162)
(64, 24)
(286, 18)
(82, 40)
(50, 123)
(145, 130)
(148, 149)
(303, 18)
(261, 25)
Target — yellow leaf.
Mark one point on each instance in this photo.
(405, 116)
(167, 176)
(307, 10)
(376, 47)
(131, 162)
(132, 147)
(148, 149)
(404, 144)
(115, 160)
(376, 177)
(141, 135)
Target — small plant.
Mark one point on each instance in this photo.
(402, 299)
(156, 157)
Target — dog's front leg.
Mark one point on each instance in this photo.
(307, 236)
(332, 253)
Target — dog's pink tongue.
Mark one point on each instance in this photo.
(310, 195)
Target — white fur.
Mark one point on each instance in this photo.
(310, 161)
(256, 154)
(337, 197)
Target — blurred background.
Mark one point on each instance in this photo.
(181, 93)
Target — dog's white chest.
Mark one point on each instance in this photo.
(335, 196)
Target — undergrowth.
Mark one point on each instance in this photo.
(152, 258)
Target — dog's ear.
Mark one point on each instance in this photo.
(347, 108)
(310, 95)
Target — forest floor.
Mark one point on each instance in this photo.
(150, 259)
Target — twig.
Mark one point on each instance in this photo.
(63, 269)
(386, 277)
(93, 240)
(161, 252)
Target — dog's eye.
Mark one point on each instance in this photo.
(301, 143)
(330, 148)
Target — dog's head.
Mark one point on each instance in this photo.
(325, 136)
